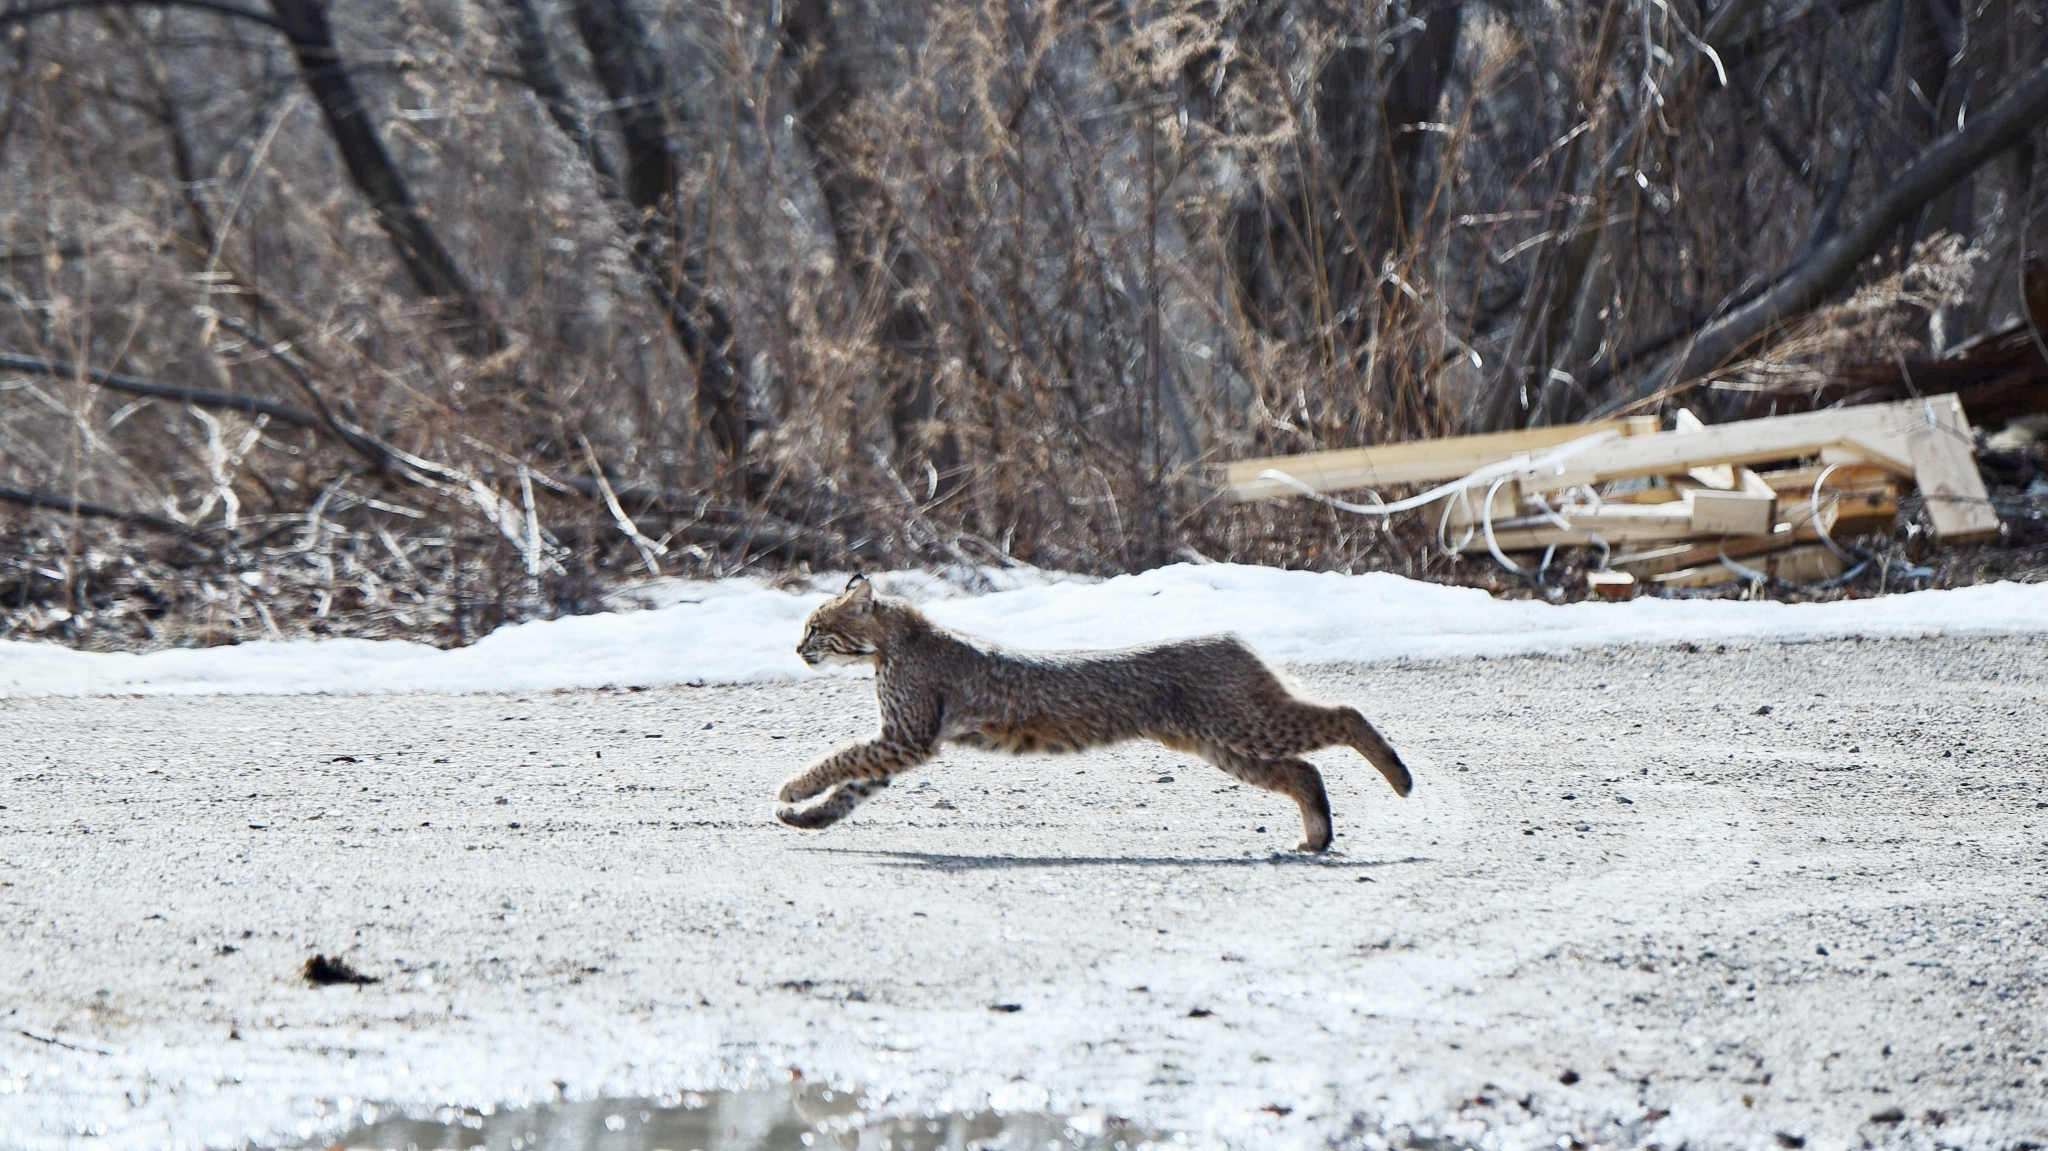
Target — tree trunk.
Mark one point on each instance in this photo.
(1306, 262)
(2007, 122)
(1543, 378)
(537, 68)
(642, 102)
(870, 236)
(432, 269)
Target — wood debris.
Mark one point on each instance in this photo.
(1690, 507)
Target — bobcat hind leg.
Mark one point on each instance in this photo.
(1297, 779)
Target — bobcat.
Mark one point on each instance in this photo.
(1212, 696)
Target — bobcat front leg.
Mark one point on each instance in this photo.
(853, 774)
(875, 759)
(835, 806)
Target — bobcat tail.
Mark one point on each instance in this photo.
(1368, 742)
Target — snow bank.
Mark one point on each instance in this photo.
(740, 631)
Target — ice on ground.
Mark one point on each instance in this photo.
(743, 631)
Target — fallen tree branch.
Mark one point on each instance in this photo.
(198, 397)
(650, 550)
(377, 451)
(79, 507)
(744, 529)
(383, 455)
(1801, 287)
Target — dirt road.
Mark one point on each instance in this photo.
(1741, 898)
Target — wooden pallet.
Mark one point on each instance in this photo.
(1678, 488)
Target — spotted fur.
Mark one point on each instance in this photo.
(1211, 696)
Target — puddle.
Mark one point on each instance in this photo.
(791, 1120)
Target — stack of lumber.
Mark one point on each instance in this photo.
(1692, 506)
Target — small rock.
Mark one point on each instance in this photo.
(1888, 1115)
(1006, 1008)
(1569, 1077)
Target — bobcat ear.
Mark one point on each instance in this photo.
(859, 592)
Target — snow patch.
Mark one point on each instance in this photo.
(744, 631)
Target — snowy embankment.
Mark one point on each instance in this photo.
(740, 631)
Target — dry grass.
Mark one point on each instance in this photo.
(1037, 271)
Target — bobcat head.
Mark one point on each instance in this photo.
(847, 629)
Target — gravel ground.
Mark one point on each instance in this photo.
(1745, 897)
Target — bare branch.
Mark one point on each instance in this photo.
(198, 397)
(1798, 289)
(79, 507)
(14, 16)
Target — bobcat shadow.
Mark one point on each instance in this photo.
(935, 861)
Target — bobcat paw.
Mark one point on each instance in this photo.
(809, 819)
(794, 792)
(1313, 847)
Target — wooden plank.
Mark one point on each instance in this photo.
(1888, 451)
(1720, 477)
(1613, 523)
(1865, 514)
(1702, 512)
(1611, 584)
(1847, 514)
(1809, 564)
(1536, 539)
(1746, 442)
(1797, 483)
(1945, 467)
(1422, 462)
(1676, 557)
(1749, 481)
(1732, 513)
(1859, 499)
(1661, 494)
(1675, 514)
